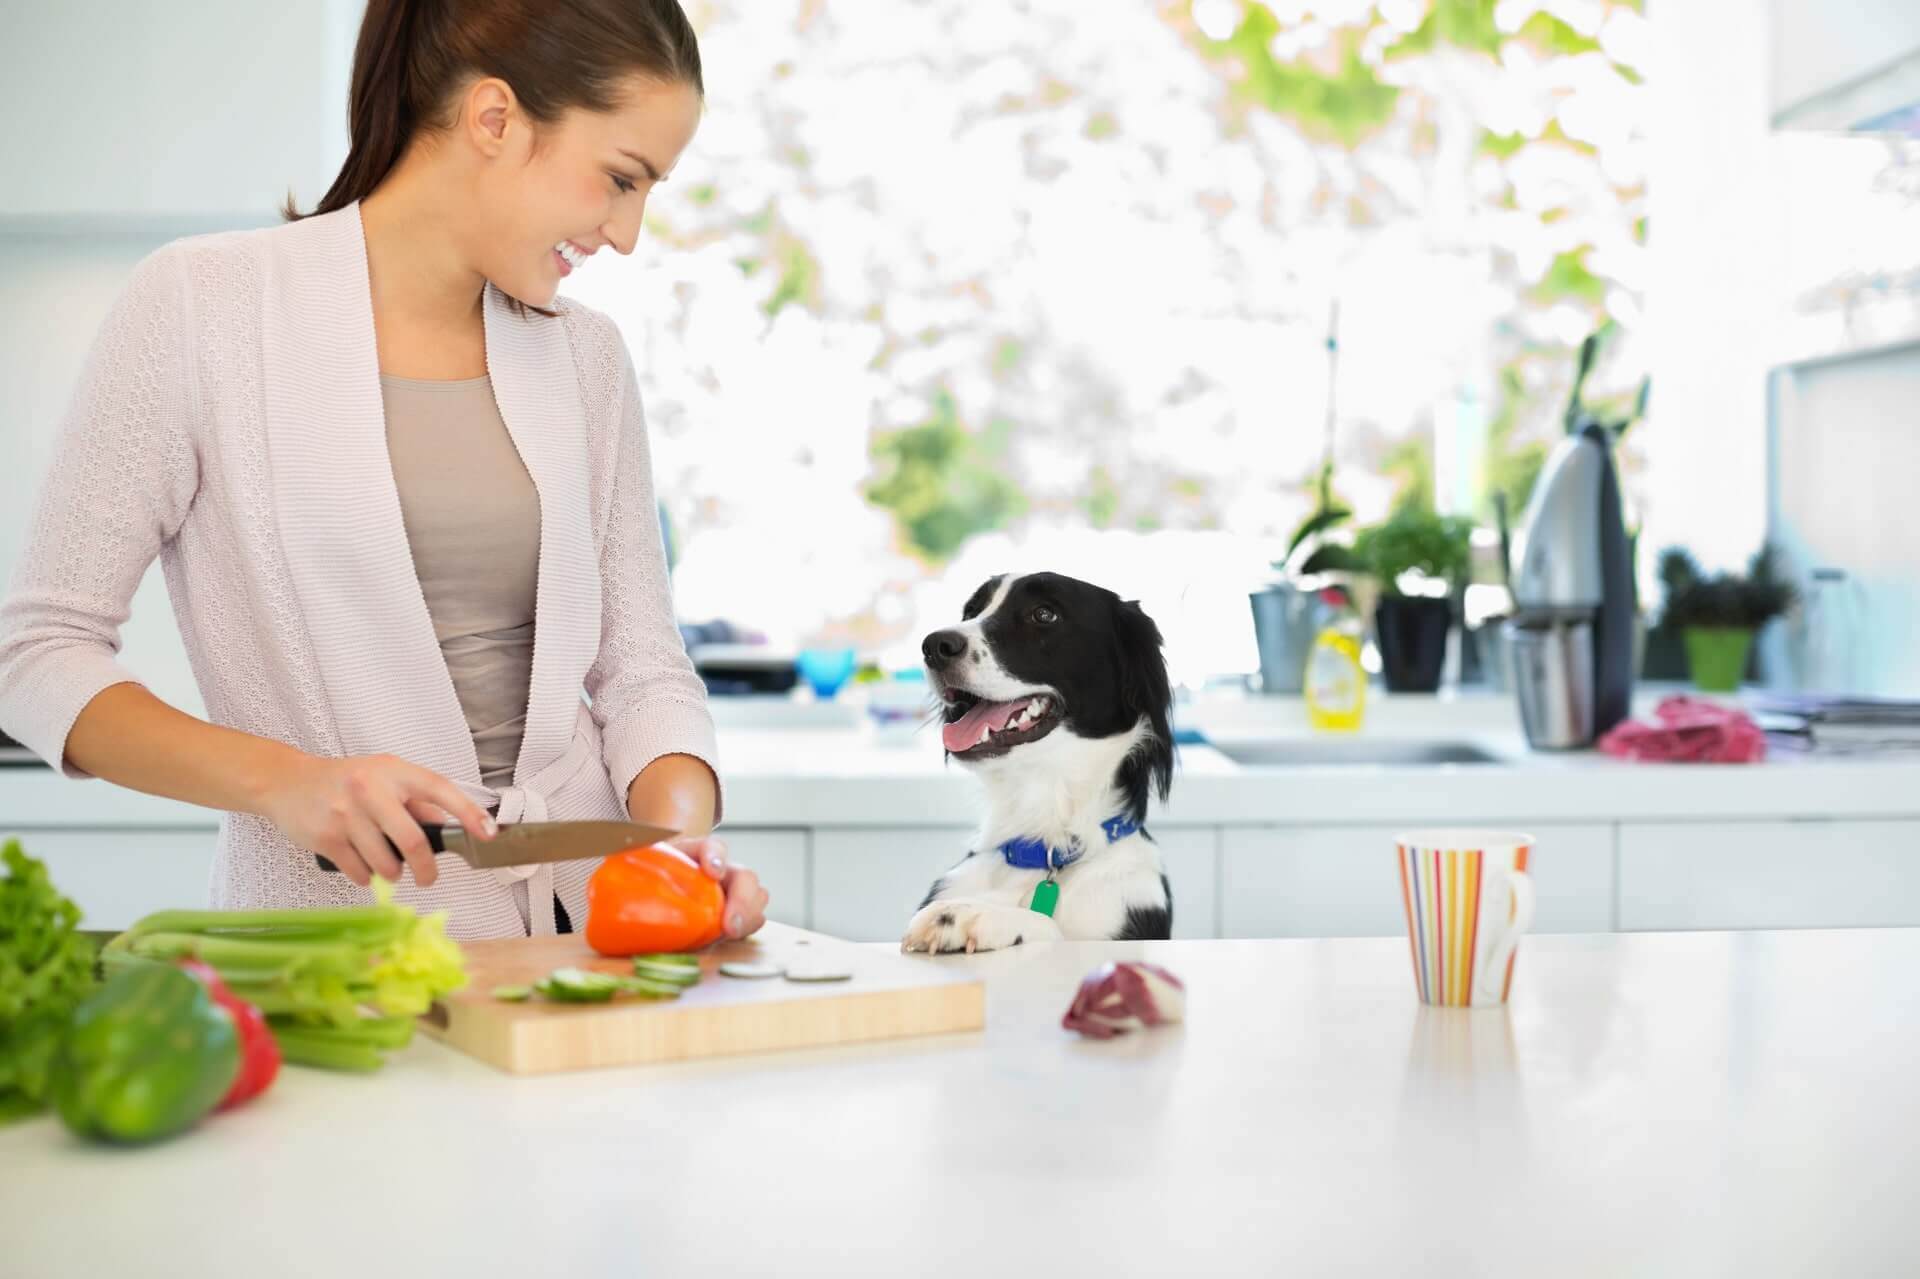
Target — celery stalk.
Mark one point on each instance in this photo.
(324, 1051)
(340, 986)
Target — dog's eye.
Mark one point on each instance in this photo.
(1043, 616)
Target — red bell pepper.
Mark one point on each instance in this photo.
(652, 901)
(259, 1054)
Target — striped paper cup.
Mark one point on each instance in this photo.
(1469, 899)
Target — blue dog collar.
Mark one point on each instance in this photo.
(1036, 854)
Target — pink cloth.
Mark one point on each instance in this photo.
(229, 421)
(1689, 731)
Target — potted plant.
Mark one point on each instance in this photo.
(1411, 629)
(1717, 615)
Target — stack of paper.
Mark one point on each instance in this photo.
(1838, 725)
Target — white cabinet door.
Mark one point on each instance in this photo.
(116, 876)
(867, 882)
(1342, 881)
(1782, 874)
(1192, 858)
(779, 857)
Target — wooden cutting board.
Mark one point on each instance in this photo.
(889, 996)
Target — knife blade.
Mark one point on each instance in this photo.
(524, 843)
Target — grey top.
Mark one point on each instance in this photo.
(473, 524)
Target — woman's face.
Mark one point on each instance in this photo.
(546, 207)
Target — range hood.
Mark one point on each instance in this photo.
(1883, 101)
(1851, 67)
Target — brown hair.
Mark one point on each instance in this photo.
(412, 54)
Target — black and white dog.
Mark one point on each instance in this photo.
(1056, 694)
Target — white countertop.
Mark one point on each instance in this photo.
(793, 764)
(1703, 1103)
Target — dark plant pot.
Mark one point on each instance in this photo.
(1412, 631)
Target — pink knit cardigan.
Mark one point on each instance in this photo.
(229, 420)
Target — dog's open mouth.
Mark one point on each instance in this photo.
(981, 729)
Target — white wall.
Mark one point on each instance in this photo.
(123, 109)
(130, 122)
(1709, 312)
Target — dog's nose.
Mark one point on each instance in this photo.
(943, 648)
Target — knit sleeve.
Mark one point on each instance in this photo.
(645, 694)
(123, 474)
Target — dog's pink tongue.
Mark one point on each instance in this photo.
(964, 732)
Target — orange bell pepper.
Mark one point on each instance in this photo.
(652, 900)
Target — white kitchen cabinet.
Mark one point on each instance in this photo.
(1781, 874)
(779, 857)
(142, 113)
(1343, 881)
(1192, 857)
(867, 882)
(117, 875)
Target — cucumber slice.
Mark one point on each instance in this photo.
(648, 988)
(512, 994)
(675, 974)
(579, 986)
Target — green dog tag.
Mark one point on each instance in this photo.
(1045, 894)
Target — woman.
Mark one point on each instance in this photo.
(400, 492)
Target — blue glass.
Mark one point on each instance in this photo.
(825, 669)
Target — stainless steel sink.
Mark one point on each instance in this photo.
(1350, 752)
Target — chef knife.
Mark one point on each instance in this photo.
(522, 843)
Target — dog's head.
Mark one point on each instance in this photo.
(1043, 654)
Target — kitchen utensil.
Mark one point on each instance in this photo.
(1285, 621)
(1504, 524)
(887, 996)
(1468, 900)
(826, 669)
(1551, 663)
(1574, 567)
(1832, 633)
(524, 843)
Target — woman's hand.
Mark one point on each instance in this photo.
(347, 809)
(746, 899)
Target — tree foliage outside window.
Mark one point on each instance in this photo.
(932, 273)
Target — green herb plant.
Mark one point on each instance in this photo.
(1724, 601)
(1411, 540)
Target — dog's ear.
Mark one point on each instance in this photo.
(1144, 690)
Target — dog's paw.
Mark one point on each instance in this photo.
(944, 928)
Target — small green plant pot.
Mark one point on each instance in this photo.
(1717, 656)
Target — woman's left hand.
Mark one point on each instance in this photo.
(746, 899)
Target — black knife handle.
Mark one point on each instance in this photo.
(436, 840)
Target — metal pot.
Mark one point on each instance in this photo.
(1286, 620)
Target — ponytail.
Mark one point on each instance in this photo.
(381, 112)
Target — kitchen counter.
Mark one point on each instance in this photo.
(1705, 1103)
(792, 764)
(847, 821)
(845, 777)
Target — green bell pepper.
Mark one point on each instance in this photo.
(144, 1057)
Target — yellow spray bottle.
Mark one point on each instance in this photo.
(1336, 683)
